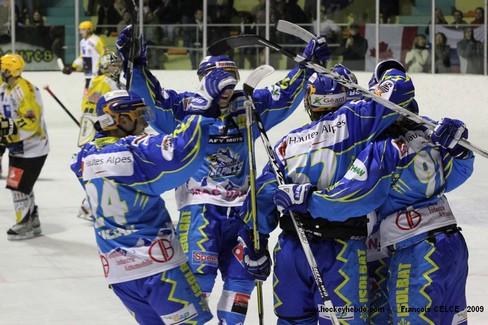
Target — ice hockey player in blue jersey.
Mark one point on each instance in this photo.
(210, 200)
(124, 171)
(320, 153)
(403, 175)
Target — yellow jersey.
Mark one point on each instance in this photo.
(22, 102)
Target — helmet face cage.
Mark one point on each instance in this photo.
(111, 65)
(116, 103)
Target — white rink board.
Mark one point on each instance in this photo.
(58, 279)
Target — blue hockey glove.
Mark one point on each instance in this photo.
(7, 126)
(257, 263)
(317, 50)
(447, 134)
(213, 87)
(124, 43)
(292, 197)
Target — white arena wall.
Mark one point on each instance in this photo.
(57, 278)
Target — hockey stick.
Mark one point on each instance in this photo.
(251, 82)
(280, 178)
(294, 30)
(61, 104)
(246, 40)
(134, 42)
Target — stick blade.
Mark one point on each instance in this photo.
(287, 27)
(255, 77)
(227, 44)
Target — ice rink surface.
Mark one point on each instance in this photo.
(58, 279)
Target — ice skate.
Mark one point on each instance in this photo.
(20, 231)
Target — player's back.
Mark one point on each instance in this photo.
(321, 152)
(416, 202)
(133, 229)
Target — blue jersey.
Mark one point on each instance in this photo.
(123, 179)
(222, 178)
(321, 152)
(404, 178)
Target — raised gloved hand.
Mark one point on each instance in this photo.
(7, 126)
(124, 44)
(447, 134)
(317, 50)
(257, 263)
(216, 89)
(292, 197)
(67, 69)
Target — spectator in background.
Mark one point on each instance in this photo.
(418, 58)
(107, 15)
(294, 13)
(192, 38)
(442, 54)
(439, 17)
(328, 27)
(388, 10)
(479, 16)
(458, 19)
(470, 53)
(353, 49)
(126, 18)
(37, 20)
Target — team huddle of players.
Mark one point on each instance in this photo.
(358, 173)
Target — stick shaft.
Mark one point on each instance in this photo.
(62, 105)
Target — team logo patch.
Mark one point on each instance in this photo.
(408, 220)
(207, 258)
(224, 163)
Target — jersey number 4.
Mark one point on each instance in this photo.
(110, 203)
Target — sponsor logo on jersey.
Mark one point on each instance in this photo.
(224, 163)
(275, 91)
(408, 220)
(14, 177)
(241, 301)
(161, 251)
(402, 289)
(207, 258)
(105, 265)
(181, 316)
(357, 171)
(325, 133)
(385, 89)
(238, 252)
(108, 164)
(225, 139)
(167, 148)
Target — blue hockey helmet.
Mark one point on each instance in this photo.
(350, 77)
(217, 61)
(397, 87)
(323, 94)
(116, 103)
(381, 68)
